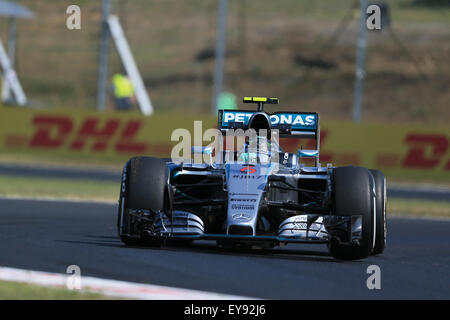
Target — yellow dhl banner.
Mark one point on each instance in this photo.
(91, 133)
(401, 149)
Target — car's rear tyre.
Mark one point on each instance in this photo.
(353, 195)
(381, 219)
(144, 185)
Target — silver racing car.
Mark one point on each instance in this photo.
(257, 195)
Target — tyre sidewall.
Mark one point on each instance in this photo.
(381, 220)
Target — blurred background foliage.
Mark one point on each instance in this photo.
(302, 51)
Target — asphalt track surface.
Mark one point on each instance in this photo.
(396, 191)
(49, 236)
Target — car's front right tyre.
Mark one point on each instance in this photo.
(354, 196)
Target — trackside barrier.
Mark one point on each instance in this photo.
(401, 150)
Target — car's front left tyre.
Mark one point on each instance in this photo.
(144, 185)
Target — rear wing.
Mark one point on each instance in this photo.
(289, 124)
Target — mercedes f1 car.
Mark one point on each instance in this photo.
(256, 197)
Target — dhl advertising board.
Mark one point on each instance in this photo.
(409, 151)
(90, 133)
(403, 150)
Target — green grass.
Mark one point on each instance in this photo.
(42, 158)
(114, 163)
(422, 208)
(417, 177)
(58, 188)
(23, 291)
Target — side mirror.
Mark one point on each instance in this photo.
(308, 153)
(202, 150)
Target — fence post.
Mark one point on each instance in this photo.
(103, 59)
(220, 53)
(360, 64)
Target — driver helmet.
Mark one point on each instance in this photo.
(256, 151)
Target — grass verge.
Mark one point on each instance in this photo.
(58, 188)
(418, 208)
(24, 291)
(113, 163)
(62, 160)
(108, 191)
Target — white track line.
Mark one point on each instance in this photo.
(113, 288)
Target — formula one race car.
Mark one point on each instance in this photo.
(257, 196)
